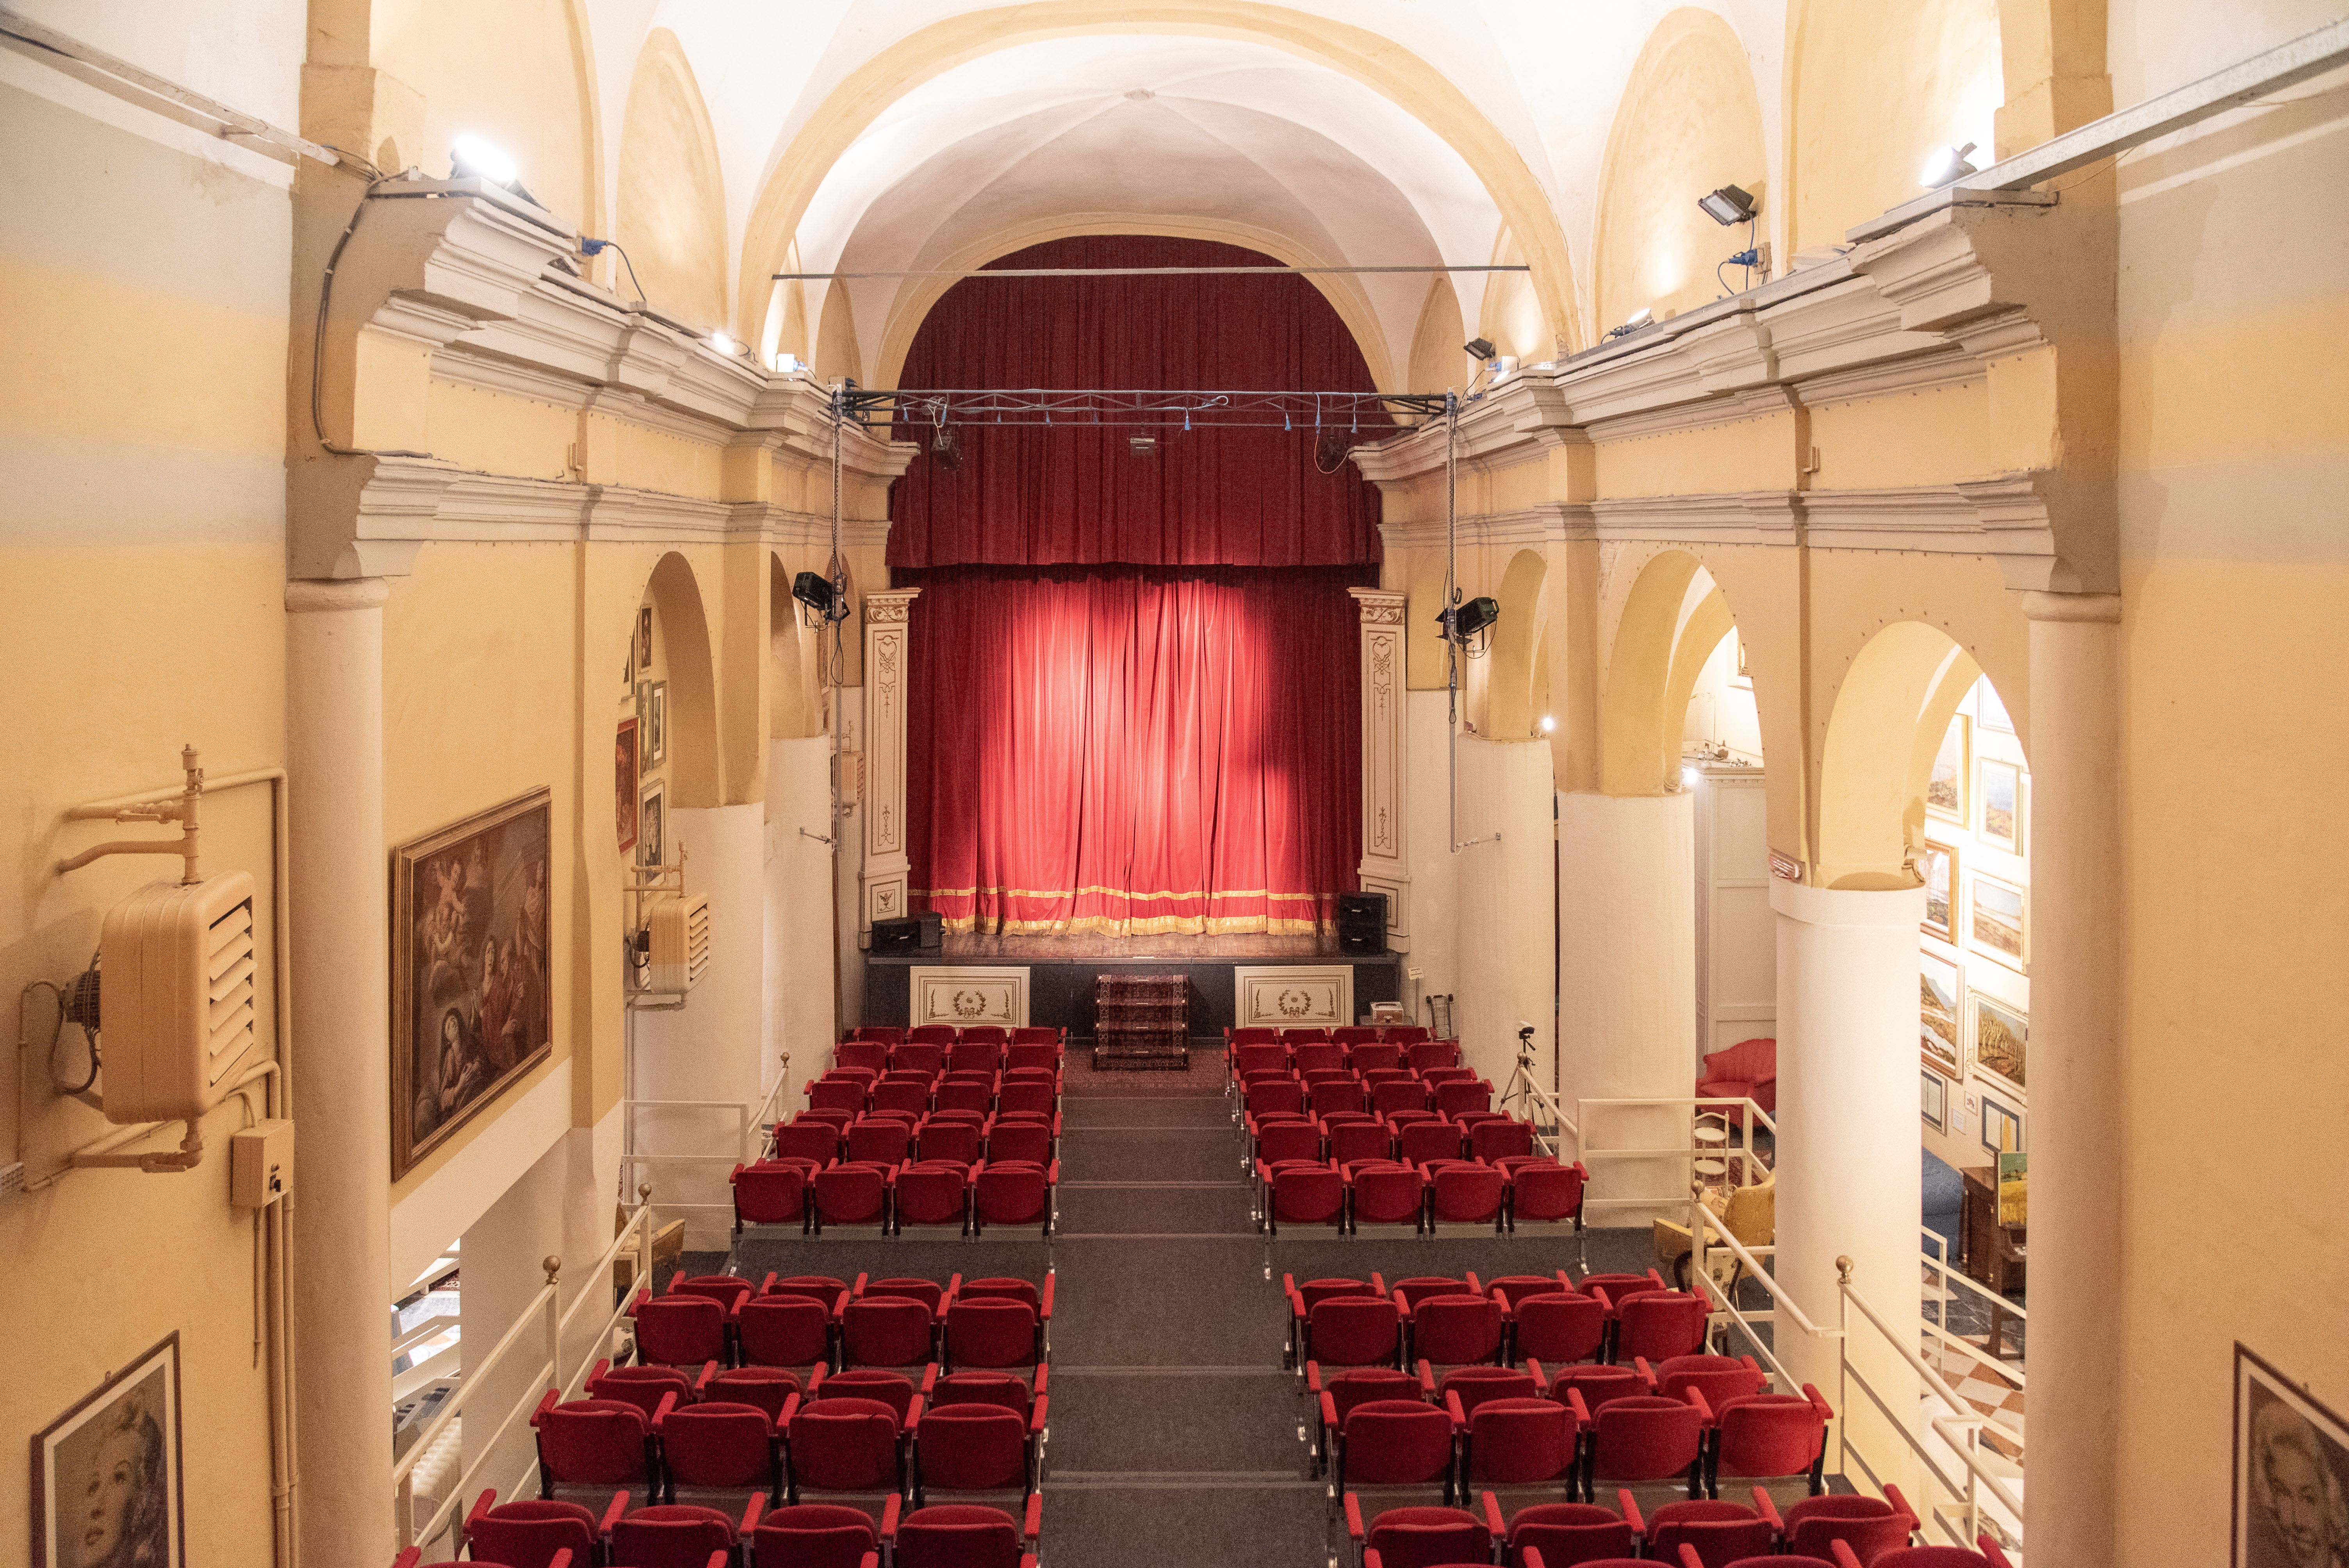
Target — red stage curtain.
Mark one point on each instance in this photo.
(1135, 752)
(1071, 494)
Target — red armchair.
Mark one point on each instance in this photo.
(1746, 1071)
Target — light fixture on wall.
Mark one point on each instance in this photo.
(1549, 724)
(1478, 348)
(1727, 206)
(470, 158)
(1946, 164)
(1638, 319)
(816, 592)
(724, 345)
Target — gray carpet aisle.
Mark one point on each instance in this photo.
(1175, 1437)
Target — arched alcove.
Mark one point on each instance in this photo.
(1509, 712)
(1638, 730)
(683, 626)
(795, 704)
(1891, 713)
(672, 209)
(1689, 122)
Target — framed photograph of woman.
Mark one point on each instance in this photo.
(1945, 786)
(1939, 990)
(2000, 1031)
(652, 841)
(2001, 804)
(2291, 1472)
(107, 1490)
(2000, 922)
(624, 784)
(1938, 866)
(471, 982)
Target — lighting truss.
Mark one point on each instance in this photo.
(971, 406)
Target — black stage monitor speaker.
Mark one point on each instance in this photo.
(1362, 924)
(921, 933)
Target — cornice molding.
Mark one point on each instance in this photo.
(1551, 523)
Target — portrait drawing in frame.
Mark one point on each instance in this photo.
(471, 982)
(624, 784)
(106, 1487)
(2291, 1473)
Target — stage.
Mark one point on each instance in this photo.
(1051, 977)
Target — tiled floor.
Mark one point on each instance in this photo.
(1968, 1317)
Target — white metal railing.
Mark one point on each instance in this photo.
(1704, 1237)
(546, 1312)
(1937, 1260)
(750, 1122)
(1743, 1150)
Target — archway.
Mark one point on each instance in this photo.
(682, 662)
(1509, 712)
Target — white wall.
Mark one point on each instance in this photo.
(1721, 708)
(1434, 879)
(800, 976)
(1504, 890)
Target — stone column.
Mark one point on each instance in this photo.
(2077, 1069)
(1627, 989)
(342, 1096)
(1848, 1170)
(881, 883)
(1386, 845)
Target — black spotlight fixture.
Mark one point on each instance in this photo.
(1474, 616)
(813, 589)
(1728, 205)
(1478, 348)
(946, 449)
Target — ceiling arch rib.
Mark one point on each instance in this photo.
(1406, 82)
(1168, 136)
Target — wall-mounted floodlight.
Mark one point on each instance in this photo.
(1638, 319)
(1728, 205)
(814, 589)
(470, 158)
(723, 344)
(1478, 348)
(1946, 164)
(1549, 724)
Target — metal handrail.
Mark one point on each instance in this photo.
(1939, 1384)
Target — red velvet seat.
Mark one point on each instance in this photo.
(996, 1333)
(879, 1141)
(934, 1192)
(1303, 1192)
(769, 1193)
(951, 1138)
(1716, 1533)
(1639, 1438)
(1303, 1298)
(1273, 1093)
(1040, 1098)
(1514, 1288)
(792, 1330)
(932, 1034)
(1421, 1537)
(887, 1331)
(531, 1532)
(840, 1089)
(1034, 1053)
(1354, 1142)
(1500, 1138)
(928, 1292)
(1570, 1533)
(975, 1054)
(1598, 1384)
(975, 1447)
(1398, 1094)
(1319, 1056)
(1418, 1143)
(1989, 1556)
(1337, 1092)
(1395, 1443)
(815, 1535)
(1463, 1194)
(1543, 1192)
(1722, 1377)
(1457, 1329)
(849, 1194)
(843, 1447)
(1517, 1443)
(1368, 1058)
(679, 1536)
(983, 1385)
(1013, 1193)
(879, 1384)
(1660, 1325)
(1458, 1095)
(1472, 1386)
(1021, 1142)
(1336, 1398)
(718, 1445)
(678, 1330)
(887, 1033)
(967, 1535)
(1558, 1328)
(963, 1094)
(770, 1389)
(806, 1138)
(919, 1055)
(872, 1054)
(1350, 1331)
(909, 1093)
(1746, 1071)
(1765, 1435)
(1869, 1526)
(599, 1443)
(1618, 1287)
(643, 1386)
(1279, 1141)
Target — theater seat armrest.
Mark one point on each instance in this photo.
(1427, 1377)
(1534, 1558)
(1043, 1375)
(1354, 1518)
(661, 1412)
(840, 1308)
(1313, 1378)
(1704, 1411)
(1373, 1560)
(1825, 1410)
(482, 1505)
(1899, 1503)
(562, 1558)
(736, 1171)
(643, 1294)
(889, 1522)
(1582, 1172)
(675, 1280)
(929, 1380)
(1580, 1411)
(1053, 1174)
(1329, 1412)
(1844, 1555)
(546, 1401)
(1540, 1378)
(790, 1409)
(1033, 1524)
(1689, 1558)
(1493, 1515)
(1051, 1277)
(870, 1559)
(1036, 1416)
(1630, 1506)
(1459, 1416)
(914, 1414)
(751, 1514)
(701, 1383)
(1646, 1373)
(614, 1512)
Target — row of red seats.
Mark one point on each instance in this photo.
(1343, 1137)
(858, 1090)
(1322, 1055)
(948, 1034)
(889, 1197)
(1346, 1035)
(823, 1136)
(813, 1320)
(1607, 1319)
(1448, 1091)
(555, 1534)
(936, 1056)
(1426, 1195)
(1849, 1531)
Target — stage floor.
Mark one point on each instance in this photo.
(1089, 947)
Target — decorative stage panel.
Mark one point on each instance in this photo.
(1386, 851)
(1302, 997)
(882, 876)
(969, 995)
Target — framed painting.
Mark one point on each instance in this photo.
(651, 827)
(2002, 1128)
(624, 784)
(644, 637)
(1938, 866)
(1939, 990)
(652, 719)
(1934, 1099)
(2000, 785)
(1945, 786)
(2292, 1472)
(2000, 1032)
(471, 982)
(2000, 922)
(107, 1486)
(1989, 708)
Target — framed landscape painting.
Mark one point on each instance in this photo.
(2000, 1032)
(1938, 1001)
(471, 982)
(1945, 787)
(106, 1487)
(1938, 866)
(2291, 1472)
(2001, 805)
(2002, 921)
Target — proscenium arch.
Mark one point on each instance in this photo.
(1509, 694)
(694, 773)
(1891, 714)
(1344, 293)
(1376, 62)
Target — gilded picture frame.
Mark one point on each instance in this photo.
(1941, 986)
(2000, 787)
(472, 969)
(624, 785)
(108, 1486)
(1938, 866)
(1998, 921)
(2001, 1037)
(644, 637)
(1946, 780)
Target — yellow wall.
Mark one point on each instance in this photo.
(671, 218)
(1871, 90)
(1689, 123)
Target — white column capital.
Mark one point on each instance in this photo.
(2086, 607)
(883, 606)
(310, 596)
(1861, 908)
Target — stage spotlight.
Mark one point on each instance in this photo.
(1143, 445)
(1727, 206)
(1474, 616)
(945, 447)
(1478, 348)
(1946, 164)
(813, 589)
(1640, 318)
(470, 158)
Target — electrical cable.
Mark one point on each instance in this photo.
(588, 247)
(318, 339)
